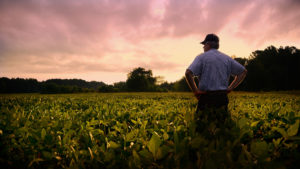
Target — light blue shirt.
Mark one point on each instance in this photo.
(213, 69)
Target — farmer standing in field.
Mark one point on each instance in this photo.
(213, 70)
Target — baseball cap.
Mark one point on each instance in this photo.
(210, 38)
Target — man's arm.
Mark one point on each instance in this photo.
(190, 81)
(237, 80)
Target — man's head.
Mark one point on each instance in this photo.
(210, 41)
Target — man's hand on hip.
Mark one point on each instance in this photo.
(198, 93)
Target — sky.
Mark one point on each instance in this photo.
(103, 40)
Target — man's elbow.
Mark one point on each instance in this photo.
(188, 73)
(245, 72)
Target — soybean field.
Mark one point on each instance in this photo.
(147, 130)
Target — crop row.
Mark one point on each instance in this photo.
(147, 130)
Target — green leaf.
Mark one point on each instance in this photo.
(166, 136)
(133, 121)
(145, 154)
(198, 142)
(162, 152)
(47, 155)
(259, 148)
(131, 135)
(68, 124)
(281, 131)
(113, 145)
(179, 128)
(294, 138)
(36, 160)
(253, 124)
(144, 124)
(242, 122)
(136, 158)
(154, 144)
(99, 131)
(43, 134)
(276, 142)
(109, 156)
(293, 129)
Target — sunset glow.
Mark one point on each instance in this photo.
(103, 40)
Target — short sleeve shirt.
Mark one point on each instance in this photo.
(213, 69)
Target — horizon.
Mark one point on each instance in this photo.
(104, 40)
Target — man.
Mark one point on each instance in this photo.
(213, 69)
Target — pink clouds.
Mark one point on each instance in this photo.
(271, 20)
(40, 36)
(75, 25)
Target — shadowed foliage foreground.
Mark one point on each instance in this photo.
(147, 130)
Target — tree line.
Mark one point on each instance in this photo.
(20, 85)
(270, 69)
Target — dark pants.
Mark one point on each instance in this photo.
(212, 109)
(214, 124)
(212, 100)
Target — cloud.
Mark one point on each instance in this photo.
(42, 36)
(257, 21)
(33, 33)
(67, 26)
(55, 66)
(84, 27)
(271, 20)
(199, 17)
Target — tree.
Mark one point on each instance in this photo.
(106, 88)
(181, 85)
(165, 87)
(242, 61)
(120, 86)
(18, 85)
(273, 69)
(141, 80)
